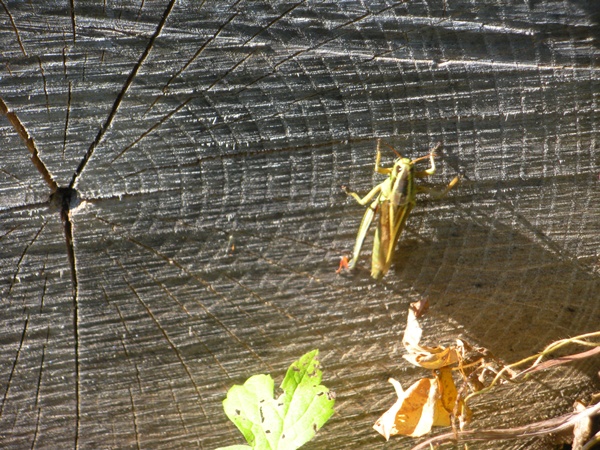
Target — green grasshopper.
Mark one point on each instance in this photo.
(394, 198)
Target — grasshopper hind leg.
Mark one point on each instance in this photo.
(362, 232)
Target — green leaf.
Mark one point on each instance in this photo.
(291, 420)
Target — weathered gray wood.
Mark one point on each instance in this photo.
(205, 121)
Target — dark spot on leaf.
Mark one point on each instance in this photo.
(279, 404)
(267, 431)
(238, 412)
(295, 368)
(320, 393)
(315, 427)
(283, 436)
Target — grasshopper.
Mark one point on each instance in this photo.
(394, 198)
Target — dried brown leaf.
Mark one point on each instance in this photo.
(427, 403)
(435, 358)
(420, 307)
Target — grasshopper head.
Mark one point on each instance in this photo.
(400, 164)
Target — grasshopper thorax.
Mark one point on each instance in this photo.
(400, 164)
(401, 182)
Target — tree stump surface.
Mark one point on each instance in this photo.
(174, 223)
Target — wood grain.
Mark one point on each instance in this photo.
(187, 126)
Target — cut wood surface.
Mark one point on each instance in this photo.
(171, 217)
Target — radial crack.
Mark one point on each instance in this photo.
(18, 267)
(67, 115)
(121, 96)
(73, 23)
(203, 282)
(189, 314)
(171, 344)
(14, 367)
(192, 59)
(16, 227)
(44, 84)
(39, 383)
(14, 27)
(151, 129)
(272, 22)
(198, 53)
(212, 38)
(135, 426)
(208, 286)
(30, 143)
(68, 223)
(345, 29)
(37, 428)
(230, 70)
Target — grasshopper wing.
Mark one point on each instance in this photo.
(392, 219)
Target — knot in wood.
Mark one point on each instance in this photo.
(65, 199)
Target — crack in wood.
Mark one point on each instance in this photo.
(44, 84)
(30, 143)
(208, 286)
(41, 372)
(15, 277)
(174, 347)
(68, 228)
(129, 335)
(134, 415)
(14, 366)
(67, 115)
(121, 96)
(14, 27)
(190, 61)
(73, 22)
(189, 314)
(151, 129)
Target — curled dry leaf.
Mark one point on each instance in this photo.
(425, 404)
(449, 395)
(582, 431)
(436, 401)
(412, 333)
(434, 358)
(420, 307)
(423, 356)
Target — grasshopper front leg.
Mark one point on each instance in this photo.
(378, 168)
(431, 156)
(435, 193)
(367, 198)
(438, 194)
